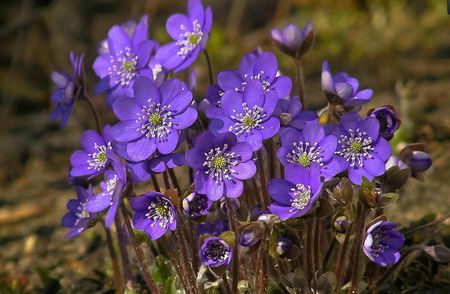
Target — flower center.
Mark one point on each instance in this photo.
(355, 148)
(216, 251)
(155, 120)
(98, 160)
(377, 247)
(82, 212)
(189, 39)
(249, 120)
(159, 212)
(301, 197)
(220, 163)
(123, 67)
(259, 77)
(304, 153)
(198, 206)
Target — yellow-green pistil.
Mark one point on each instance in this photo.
(304, 160)
(249, 121)
(219, 162)
(356, 147)
(128, 65)
(155, 119)
(193, 39)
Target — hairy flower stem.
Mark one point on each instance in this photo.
(118, 282)
(262, 177)
(317, 245)
(174, 179)
(331, 114)
(342, 254)
(359, 239)
(122, 238)
(329, 254)
(139, 254)
(166, 180)
(261, 268)
(234, 225)
(94, 113)
(226, 284)
(210, 71)
(271, 157)
(309, 242)
(300, 81)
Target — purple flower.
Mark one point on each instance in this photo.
(154, 214)
(248, 115)
(418, 162)
(154, 118)
(68, 89)
(361, 150)
(96, 156)
(221, 164)
(343, 89)
(309, 147)
(294, 41)
(215, 252)
(388, 120)
(262, 67)
(290, 114)
(190, 33)
(109, 197)
(383, 243)
(126, 58)
(78, 218)
(196, 205)
(295, 195)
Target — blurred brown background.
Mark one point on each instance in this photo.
(399, 48)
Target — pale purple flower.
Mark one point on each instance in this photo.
(220, 164)
(290, 114)
(190, 33)
(69, 88)
(78, 218)
(154, 119)
(309, 147)
(386, 116)
(343, 89)
(293, 40)
(154, 214)
(295, 195)
(360, 149)
(383, 243)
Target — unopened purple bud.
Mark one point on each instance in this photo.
(196, 205)
(388, 120)
(293, 40)
(248, 238)
(341, 224)
(419, 162)
(283, 246)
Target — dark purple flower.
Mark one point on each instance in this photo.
(196, 205)
(126, 58)
(361, 150)
(283, 246)
(290, 114)
(418, 162)
(383, 243)
(68, 86)
(96, 156)
(343, 89)
(154, 214)
(309, 147)
(190, 33)
(220, 164)
(154, 118)
(388, 120)
(295, 195)
(248, 115)
(78, 218)
(262, 67)
(293, 40)
(215, 252)
(109, 197)
(248, 238)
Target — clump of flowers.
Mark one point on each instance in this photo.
(247, 178)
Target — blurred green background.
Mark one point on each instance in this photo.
(399, 48)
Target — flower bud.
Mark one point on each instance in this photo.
(196, 205)
(387, 117)
(341, 224)
(420, 161)
(293, 40)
